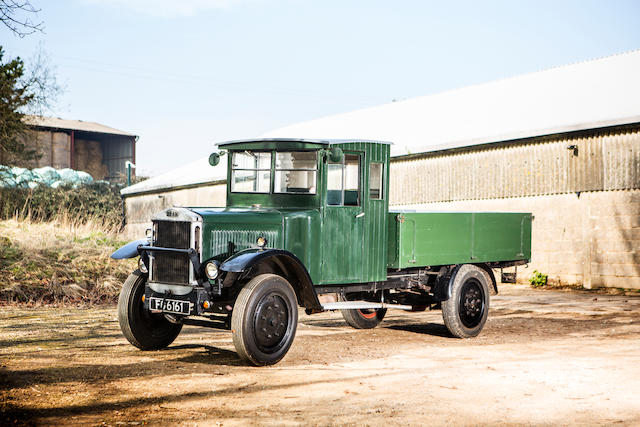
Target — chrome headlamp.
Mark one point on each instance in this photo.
(211, 270)
(261, 242)
(142, 266)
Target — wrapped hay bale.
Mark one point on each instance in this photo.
(26, 178)
(84, 178)
(68, 175)
(7, 178)
(47, 174)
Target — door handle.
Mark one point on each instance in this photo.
(360, 215)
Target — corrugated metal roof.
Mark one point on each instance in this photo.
(312, 141)
(599, 93)
(79, 125)
(592, 94)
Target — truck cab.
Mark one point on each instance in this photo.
(305, 218)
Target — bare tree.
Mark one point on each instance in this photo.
(17, 16)
(41, 83)
(24, 90)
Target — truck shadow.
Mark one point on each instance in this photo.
(434, 329)
(210, 355)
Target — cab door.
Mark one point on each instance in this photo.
(343, 221)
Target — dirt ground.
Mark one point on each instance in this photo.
(544, 358)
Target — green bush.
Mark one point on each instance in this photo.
(538, 279)
(93, 202)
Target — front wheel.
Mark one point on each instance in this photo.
(264, 319)
(465, 313)
(141, 328)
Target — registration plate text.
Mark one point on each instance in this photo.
(169, 305)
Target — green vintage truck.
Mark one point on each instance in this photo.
(306, 218)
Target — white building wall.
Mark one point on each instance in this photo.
(140, 208)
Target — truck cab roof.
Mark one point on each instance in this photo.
(290, 143)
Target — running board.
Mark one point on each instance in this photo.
(362, 305)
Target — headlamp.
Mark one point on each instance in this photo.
(261, 242)
(211, 270)
(142, 266)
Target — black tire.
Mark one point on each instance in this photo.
(465, 313)
(264, 319)
(141, 328)
(363, 318)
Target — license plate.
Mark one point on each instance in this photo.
(169, 305)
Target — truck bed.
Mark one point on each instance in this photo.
(419, 239)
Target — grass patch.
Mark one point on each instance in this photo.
(60, 262)
(97, 201)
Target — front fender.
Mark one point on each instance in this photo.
(280, 262)
(243, 260)
(130, 250)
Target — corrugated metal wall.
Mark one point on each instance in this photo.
(116, 150)
(601, 160)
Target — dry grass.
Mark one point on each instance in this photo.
(59, 262)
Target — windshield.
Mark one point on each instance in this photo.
(295, 172)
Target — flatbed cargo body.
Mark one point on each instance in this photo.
(420, 239)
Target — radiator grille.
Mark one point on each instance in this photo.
(173, 234)
(171, 267)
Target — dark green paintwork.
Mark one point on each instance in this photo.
(440, 238)
(349, 244)
(334, 243)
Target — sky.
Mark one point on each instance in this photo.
(186, 74)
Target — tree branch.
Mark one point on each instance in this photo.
(20, 26)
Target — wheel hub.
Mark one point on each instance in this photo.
(271, 321)
(471, 304)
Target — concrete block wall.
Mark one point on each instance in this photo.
(590, 238)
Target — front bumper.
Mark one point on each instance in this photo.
(196, 298)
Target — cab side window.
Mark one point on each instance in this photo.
(343, 182)
(375, 181)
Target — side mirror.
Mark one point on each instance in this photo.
(214, 159)
(336, 154)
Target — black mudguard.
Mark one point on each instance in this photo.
(442, 291)
(288, 265)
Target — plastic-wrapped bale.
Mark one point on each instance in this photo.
(48, 175)
(27, 178)
(68, 176)
(84, 178)
(7, 178)
(75, 178)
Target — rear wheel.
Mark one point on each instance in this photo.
(363, 318)
(465, 313)
(264, 319)
(143, 329)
